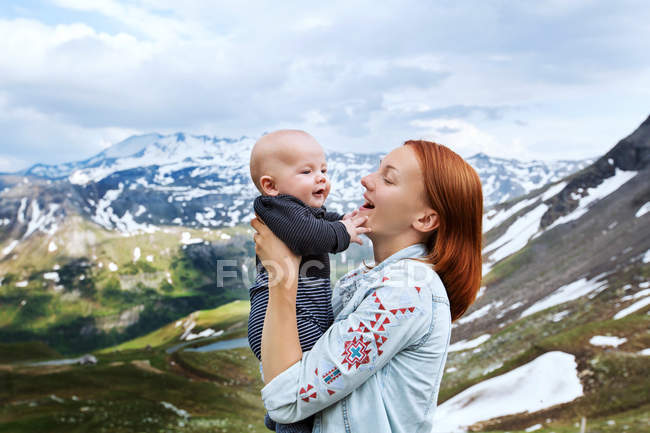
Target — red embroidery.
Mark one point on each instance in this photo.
(332, 375)
(377, 325)
(384, 279)
(356, 352)
(304, 393)
(417, 288)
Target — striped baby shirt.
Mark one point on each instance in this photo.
(312, 233)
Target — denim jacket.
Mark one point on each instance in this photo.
(378, 367)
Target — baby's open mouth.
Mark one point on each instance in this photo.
(319, 191)
(368, 205)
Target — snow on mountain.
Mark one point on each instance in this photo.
(197, 181)
(566, 201)
(548, 380)
(505, 179)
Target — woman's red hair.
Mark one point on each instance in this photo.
(454, 249)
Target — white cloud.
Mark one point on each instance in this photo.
(365, 76)
(467, 139)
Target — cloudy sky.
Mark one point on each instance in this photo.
(548, 79)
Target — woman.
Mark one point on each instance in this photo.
(378, 367)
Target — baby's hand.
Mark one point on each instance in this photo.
(353, 224)
(350, 215)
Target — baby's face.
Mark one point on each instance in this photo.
(305, 175)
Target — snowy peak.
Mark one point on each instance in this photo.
(607, 174)
(505, 179)
(129, 147)
(510, 226)
(151, 180)
(174, 151)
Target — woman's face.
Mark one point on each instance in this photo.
(394, 196)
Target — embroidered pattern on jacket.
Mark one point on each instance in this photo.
(331, 375)
(331, 379)
(305, 393)
(356, 352)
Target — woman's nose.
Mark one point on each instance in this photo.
(367, 182)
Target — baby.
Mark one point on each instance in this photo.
(289, 169)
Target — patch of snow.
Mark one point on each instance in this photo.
(644, 352)
(188, 329)
(646, 257)
(642, 303)
(224, 236)
(9, 248)
(205, 333)
(644, 285)
(567, 293)
(510, 308)
(468, 344)
(136, 254)
(41, 221)
(533, 428)
(643, 210)
(112, 267)
(21, 210)
(603, 340)
(451, 370)
(475, 315)
(548, 380)
(180, 412)
(494, 218)
(559, 316)
(517, 235)
(150, 258)
(52, 276)
(187, 239)
(637, 295)
(52, 247)
(555, 189)
(491, 368)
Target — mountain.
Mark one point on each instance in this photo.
(506, 179)
(152, 180)
(563, 311)
(558, 333)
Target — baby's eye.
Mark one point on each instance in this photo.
(324, 171)
(306, 171)
(388, 181)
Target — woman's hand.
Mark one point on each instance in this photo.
(280, 262)
(280, 339)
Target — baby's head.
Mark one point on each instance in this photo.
(290, 162)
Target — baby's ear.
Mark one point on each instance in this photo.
(268, 185)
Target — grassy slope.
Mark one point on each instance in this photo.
(95, 292)
(123, 393)
(234, 314)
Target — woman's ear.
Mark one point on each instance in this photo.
(427, 221)
(268, 185)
